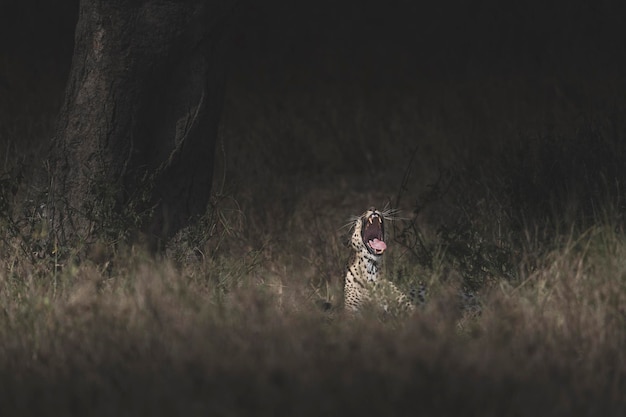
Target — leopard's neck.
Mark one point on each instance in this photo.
(371, 268)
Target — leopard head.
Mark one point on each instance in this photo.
(369, 234)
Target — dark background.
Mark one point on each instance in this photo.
(348, 44)
(326, 91)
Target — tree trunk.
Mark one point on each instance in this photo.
(137, 130)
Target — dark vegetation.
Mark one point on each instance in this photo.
(496, 130)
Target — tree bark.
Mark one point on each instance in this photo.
(137, 130)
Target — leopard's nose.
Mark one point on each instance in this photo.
(374, 216)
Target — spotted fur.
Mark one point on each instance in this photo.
(364, 283)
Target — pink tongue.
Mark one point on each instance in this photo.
(378, 244)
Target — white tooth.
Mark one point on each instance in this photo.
(370, 220)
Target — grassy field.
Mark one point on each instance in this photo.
(509, 185)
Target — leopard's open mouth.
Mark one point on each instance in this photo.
(373, 233)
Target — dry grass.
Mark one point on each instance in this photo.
(145, 337)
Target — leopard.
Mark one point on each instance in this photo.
(364, 283)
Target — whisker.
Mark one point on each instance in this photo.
(392, 214)
(350, 222)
